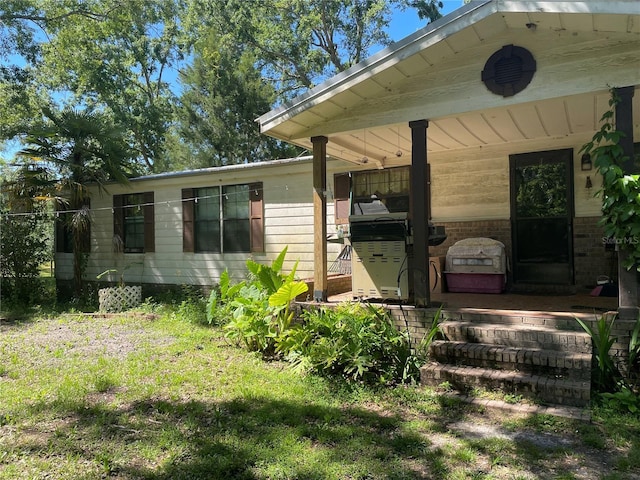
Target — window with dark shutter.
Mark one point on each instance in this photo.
(134, 222)
(223, 219)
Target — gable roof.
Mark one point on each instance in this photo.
(581, 49)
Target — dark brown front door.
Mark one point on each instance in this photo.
(541, 216)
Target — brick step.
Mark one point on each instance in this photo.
(559, 320)
(519, 336)
(557, 391)
(535, 361)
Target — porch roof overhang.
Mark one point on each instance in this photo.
(582, 48)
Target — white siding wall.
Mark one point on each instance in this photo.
(473, 184)
(288, 221)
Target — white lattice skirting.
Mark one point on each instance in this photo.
(119, 299)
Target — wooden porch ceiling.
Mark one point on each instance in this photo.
(390, 145)
(580, 48)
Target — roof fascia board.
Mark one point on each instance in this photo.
(410, 45)
(623, 7)
(224, 169)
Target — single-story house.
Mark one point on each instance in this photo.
(486, 109)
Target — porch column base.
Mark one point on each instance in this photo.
(319, 295)
(628, 313)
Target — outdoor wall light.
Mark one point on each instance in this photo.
(588, 185)
(586, 162)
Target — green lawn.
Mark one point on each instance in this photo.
(142, 398)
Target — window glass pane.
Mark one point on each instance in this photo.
(134, 223)
(235, 206)
(235, 201)
(207, 220)
(236, 235)
(541, 190)
(378, 192)
(208, 236)
(208, 204)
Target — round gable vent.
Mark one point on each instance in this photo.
(509, 70)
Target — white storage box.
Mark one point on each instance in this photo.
(476, 265)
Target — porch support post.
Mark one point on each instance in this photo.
(420, 203)
(627, 279)
(319, 218)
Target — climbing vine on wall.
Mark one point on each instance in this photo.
(620, 192)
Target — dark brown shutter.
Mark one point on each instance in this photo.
(188, 212)
(341, 188)
(60, 232)
(429, 190)
(118, 223)
(149, 223)
(256, 216)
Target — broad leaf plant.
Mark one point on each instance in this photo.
(620, 191)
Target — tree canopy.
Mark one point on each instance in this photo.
(183, 80)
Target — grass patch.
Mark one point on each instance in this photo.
(170, 398)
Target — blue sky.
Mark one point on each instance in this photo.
(406, 22)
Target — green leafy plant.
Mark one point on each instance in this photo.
(624, 400)
(261, 309)
(634, 350)
(250, 324)
(357, 342)
(616, 391)
(219, 306)
(268, 276)
(434, 332)
(606, 372)
(620, 192)
(281, 300)
(25, 240)
(192, 310)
